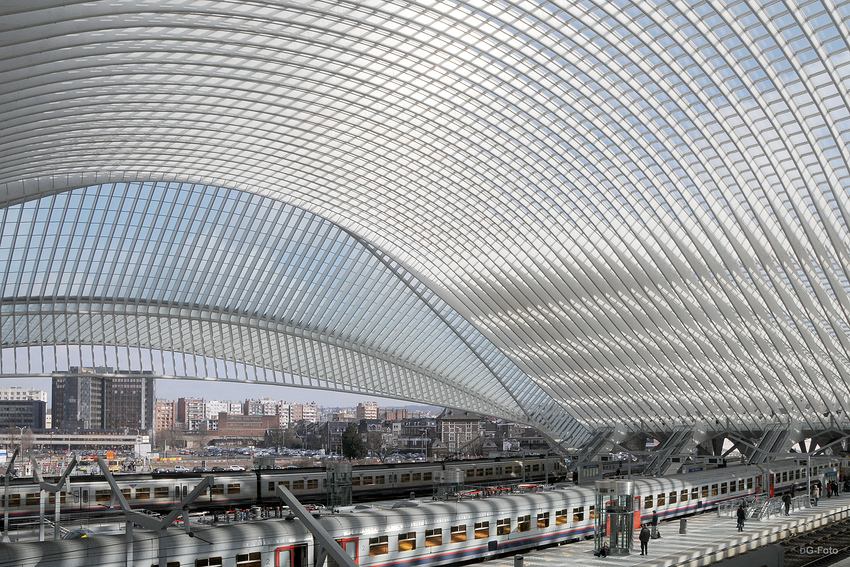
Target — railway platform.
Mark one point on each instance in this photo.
(708, 539)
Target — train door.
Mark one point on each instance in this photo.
(291, 556)
(81, 496)
(758, 484)
(180, 491)
(772, 479)
(349, 545)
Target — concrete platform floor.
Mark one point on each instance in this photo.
(709, 539)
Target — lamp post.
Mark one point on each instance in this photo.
(425, 443)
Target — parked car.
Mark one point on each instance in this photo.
(199, 469)
(218, 469)
(181, 468)
(237, 468)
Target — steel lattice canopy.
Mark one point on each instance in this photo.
(569, 213)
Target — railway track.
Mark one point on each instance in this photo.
(819, 547)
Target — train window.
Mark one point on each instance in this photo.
(742, 484)
(535, 468)
(458, 533)
(705, 491)
(32, 498)
(355, 481)
(733, 486)
(797, 475)
(52, 498)
(694, 493)
(591, 512)
(434, 538)
(561, 517)
(234, 488)
(803, 473)
(271, 486)
(160, 492)
(683, 495)
(143, 494)
(647, 502)
(14, 500)
(312, 484)
(542, 520)
(578, 514)
(407, 541)
(216, 490)
(714, 490)
(723, 488)
(482, 530)
(488, 471)
(427, 477)
(405, 477)
(102, 495)
(367, 481)
(499, 471)
(749, 484)
(379, 546)
(380, 479)
(249, 559)
(126, 493)
(662, 500)
(671, 498)
(209, 562)
(503, 526)
(168, 564)
(523, 523)
(785, 476)
(470, 473)
(479, 472)
(297, 485)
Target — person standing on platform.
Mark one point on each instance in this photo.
(815, 493)
(742, 515)
(644, 540)
(786, 499)
(654, 522)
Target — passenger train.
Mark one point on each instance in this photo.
(431, 533)
(91, 494)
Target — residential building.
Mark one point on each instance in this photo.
(252, 407)
(367, 410)
(457, 429)
(191, 412)
(165, 414)
(310, 412)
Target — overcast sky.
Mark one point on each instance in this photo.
(210, 390)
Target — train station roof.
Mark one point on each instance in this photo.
(570, 213)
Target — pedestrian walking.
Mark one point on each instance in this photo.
(742, 515)
(644, 540)
(786, 499)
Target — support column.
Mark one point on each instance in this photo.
(56, 490)
(326, 541)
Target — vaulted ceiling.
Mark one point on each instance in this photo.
(574, 214)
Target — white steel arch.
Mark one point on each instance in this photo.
(613, 213)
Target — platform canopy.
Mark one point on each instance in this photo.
(572, 214)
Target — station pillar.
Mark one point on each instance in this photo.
(615, 514)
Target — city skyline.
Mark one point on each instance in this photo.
(211, 390)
